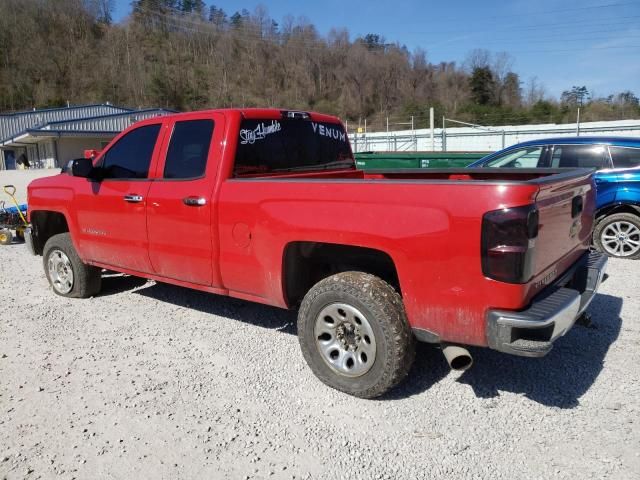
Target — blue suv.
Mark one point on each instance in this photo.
(617, 161)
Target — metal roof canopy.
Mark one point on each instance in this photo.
(101, 126)
(12, 124)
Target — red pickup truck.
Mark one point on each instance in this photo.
(267, 205)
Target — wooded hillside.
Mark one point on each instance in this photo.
(185, 54)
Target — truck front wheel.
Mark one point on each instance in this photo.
(67, 275)
(354, 334)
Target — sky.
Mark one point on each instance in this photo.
(562, 43)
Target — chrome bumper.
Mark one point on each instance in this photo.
(552, 313)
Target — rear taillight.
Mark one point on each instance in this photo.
(508, 243)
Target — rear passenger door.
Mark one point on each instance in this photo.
(180, 212)
(626, 163)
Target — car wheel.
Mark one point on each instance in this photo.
(354, 334)
(6, 237)
(618, 235)
(67, 274)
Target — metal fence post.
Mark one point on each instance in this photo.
(431, 127)
(388, 139)
(444, 135)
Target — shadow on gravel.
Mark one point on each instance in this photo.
(241, 310)
(564, 375)
(428, 369)
(113, 283)
(557, 380)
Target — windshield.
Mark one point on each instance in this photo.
(520, 158)
(266, 146)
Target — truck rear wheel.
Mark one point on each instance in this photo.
(354, 334)
(618, 235)
(67, 275)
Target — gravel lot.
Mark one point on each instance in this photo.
(155, 381)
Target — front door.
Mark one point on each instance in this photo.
(179, 212)
(112, 212)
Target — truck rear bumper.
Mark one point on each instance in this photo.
(531, 332)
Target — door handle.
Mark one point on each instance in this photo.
(133, 198)
(194, 201)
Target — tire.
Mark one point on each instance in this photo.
(6, 237)
(618, 236)
(378, 330)
(20, 234)
(67, 275)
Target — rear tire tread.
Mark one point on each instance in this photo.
(380, 297)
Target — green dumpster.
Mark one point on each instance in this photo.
(393, 160)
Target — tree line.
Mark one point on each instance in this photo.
(186, 55)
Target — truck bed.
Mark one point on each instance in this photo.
(429, 222)
(530, 175)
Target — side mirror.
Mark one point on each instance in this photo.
(83, 167)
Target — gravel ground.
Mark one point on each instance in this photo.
(154, 381)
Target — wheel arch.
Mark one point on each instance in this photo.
(305, 263)
(44, 225)
(602, 212)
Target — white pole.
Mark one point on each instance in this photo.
(444, 135)
(413, 132)
(431, 127)
(578, 123)
(388, 139)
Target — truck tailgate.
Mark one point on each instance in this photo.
(565, 210)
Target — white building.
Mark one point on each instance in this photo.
(50, 138)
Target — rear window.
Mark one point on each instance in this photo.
(281, 145)
(188, 149)
(625, 157)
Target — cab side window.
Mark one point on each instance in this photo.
(188, 149)
(130, 157)
(625, 157)
(578, 156)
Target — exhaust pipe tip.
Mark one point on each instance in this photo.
(457, 357)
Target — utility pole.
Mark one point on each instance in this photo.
(578, 123)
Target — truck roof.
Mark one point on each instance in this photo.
(604, 140)
(255, 113)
